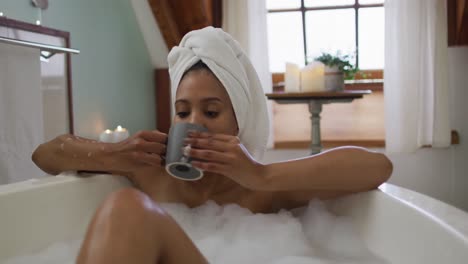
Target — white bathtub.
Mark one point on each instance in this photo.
(397, 224)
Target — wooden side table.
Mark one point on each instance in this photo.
(315, 100)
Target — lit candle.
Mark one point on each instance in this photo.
(120, 134)
(39, 19)
(107, 136)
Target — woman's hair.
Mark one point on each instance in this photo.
(200, 65)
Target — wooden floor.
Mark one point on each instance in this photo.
(358, 123)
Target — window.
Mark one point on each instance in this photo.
(299, 30)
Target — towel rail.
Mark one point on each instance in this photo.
(43, 47)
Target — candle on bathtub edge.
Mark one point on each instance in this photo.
(120, 134)
(107, 136)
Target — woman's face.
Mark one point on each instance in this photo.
(201, 99)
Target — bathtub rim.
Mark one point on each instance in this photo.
(445, 214)
(441, 214)
(453, 219)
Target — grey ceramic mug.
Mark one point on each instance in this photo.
(177, 164)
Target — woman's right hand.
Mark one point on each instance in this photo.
(141, 151)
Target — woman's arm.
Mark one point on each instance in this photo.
(341, 170)
(68, 152)
(71, 153)
(350, 169)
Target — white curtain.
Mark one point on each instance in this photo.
(246, 21)
(21, 122)
(416, 82)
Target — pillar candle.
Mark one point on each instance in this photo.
(313, 77)
(292, 78)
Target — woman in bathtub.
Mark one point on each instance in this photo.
(214, 85)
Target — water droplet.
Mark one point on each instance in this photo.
(62, 146)
(90, 154)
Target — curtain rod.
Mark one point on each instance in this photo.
(42, 47)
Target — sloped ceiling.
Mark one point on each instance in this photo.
(177, 17)
(149, 28)
(163, 23)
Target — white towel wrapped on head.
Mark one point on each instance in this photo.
(226, 59)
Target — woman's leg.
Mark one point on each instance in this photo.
(129, 227)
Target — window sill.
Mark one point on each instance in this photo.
(350, 86)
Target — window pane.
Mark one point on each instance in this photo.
(285, 41)
(330, 31)
(278, 4)
(366, 2)
(320, 3)
(371, 38)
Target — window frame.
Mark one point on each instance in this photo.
(303, 9)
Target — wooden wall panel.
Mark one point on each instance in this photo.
(178, 17)
(163, 100)
(457, 18)
(167, 25)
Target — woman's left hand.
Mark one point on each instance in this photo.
(225, 155)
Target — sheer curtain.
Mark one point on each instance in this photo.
(21, 116)
(246, 21)
(416, 82)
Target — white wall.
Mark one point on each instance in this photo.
(458, 58)
(429, 171)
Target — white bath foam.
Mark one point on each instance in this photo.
(231, 234)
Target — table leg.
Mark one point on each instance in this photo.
(315, 108)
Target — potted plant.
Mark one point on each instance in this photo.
(337, 69)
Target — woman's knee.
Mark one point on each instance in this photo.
(133, 207)
(127, 220)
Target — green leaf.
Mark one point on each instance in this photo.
(342, 61)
